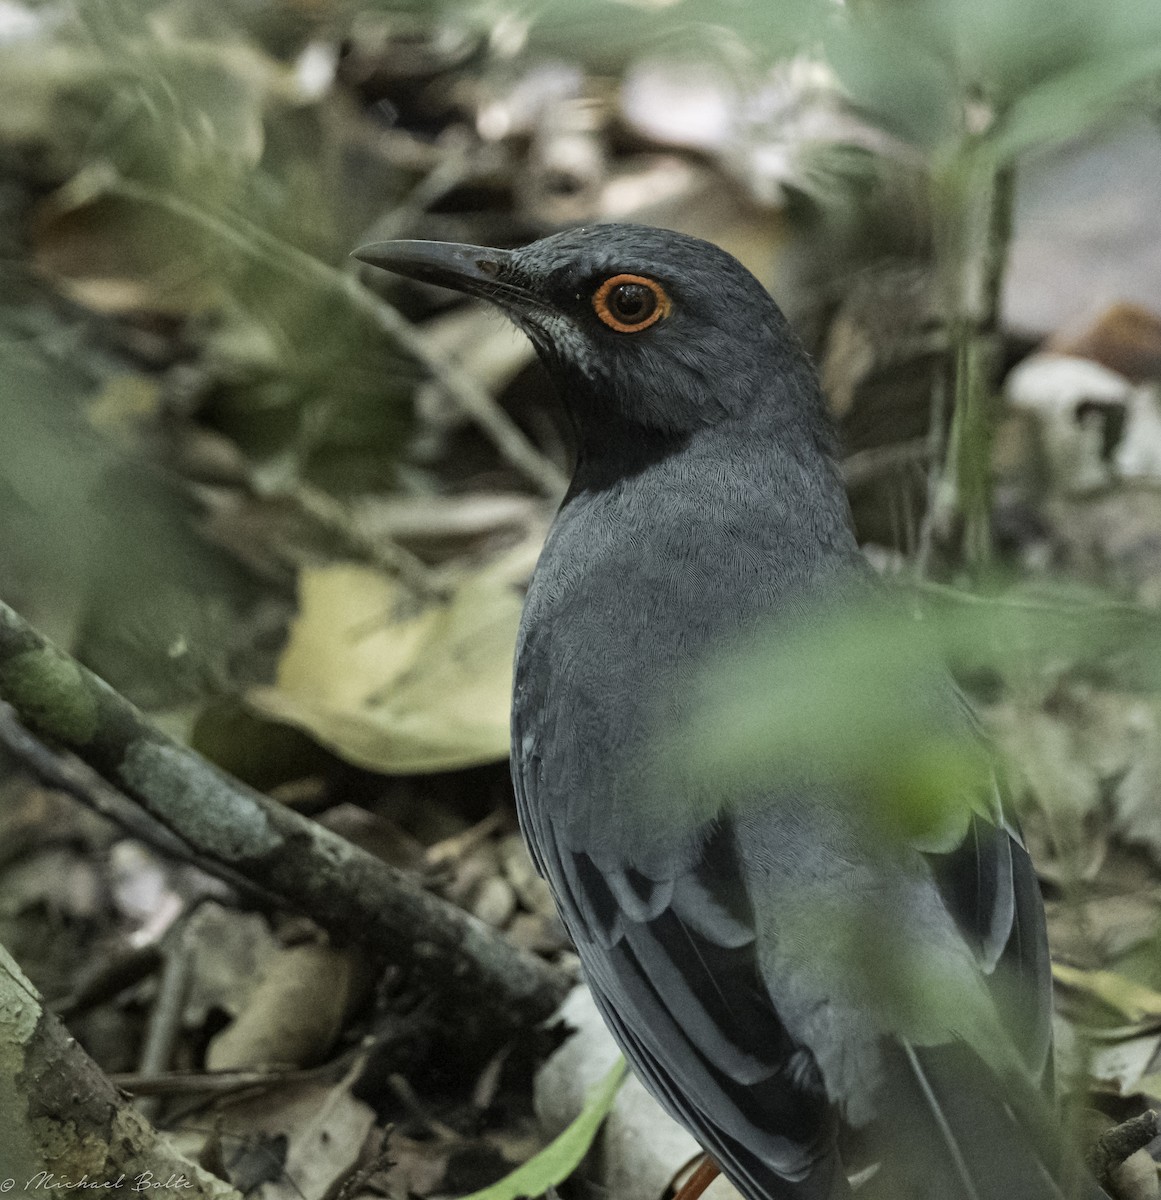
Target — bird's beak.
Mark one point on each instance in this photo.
(476, 270)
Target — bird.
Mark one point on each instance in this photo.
(706, 502)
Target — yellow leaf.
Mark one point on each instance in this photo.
(393, 685)
(1133, 1001)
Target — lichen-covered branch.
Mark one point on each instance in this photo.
(490, 987)
(62, 1123)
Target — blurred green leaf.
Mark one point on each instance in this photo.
(896, 75)
(855, 697)
(1132, 1002)
(608, 34)
(1068, 103)
(859, 697)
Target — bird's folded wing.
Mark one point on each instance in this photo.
(673, 966)
(989, 887)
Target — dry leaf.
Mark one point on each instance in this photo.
(230, 952)
(641, 1146)
(395, 687)
(1136, 1177)
(1126, 338)
(1121, 1067)
(119, 256)
(325, 1129)
(293, 1015)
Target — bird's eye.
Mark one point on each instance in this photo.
(630, 303)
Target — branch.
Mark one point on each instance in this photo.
(62, 1120)
(489, 988)
(1115, 1145)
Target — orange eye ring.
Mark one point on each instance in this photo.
(609, 297)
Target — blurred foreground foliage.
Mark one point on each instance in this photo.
(854, 697)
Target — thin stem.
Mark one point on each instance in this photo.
(975, 232)
(485, 986)
(280, 255)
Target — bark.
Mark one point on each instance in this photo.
(485, 988)
(62, 1123)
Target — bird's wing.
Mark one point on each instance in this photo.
(674, 968)
(684, 980)
(994, 1124)
(988, 885)
(672, 964)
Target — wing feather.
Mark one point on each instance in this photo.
(674, 966)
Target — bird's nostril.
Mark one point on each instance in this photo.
(488, 265)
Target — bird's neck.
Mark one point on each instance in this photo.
(613, 449)
(720, 498)
(736, 461)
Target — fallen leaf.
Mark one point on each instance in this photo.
(1135, 1002)
(418, 1166)
(230, 952)
(1126, 338)
(1136, 1177)
(641, 1146)
(1121, 1066)
(294, 1014)
(324, 1128)
(395, 687)
(117, 255)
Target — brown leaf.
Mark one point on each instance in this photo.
(1126, 338)
(230, 952)
(325, 1129)
(293, 1015)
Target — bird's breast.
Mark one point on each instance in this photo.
(636, 590)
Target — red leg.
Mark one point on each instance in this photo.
(704, 1174)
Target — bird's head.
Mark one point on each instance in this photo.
(638, 326)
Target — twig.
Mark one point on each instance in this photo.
(165, 1017)
(1116, 1144)
(936, 433)
(453, 848)
(407, 1096)
(389, 556)
(487, 987)
(1148, 619)
(280, 255)
(210, 1083)
(865, 465)
(111, 977)
(67, 773)
(446, 173)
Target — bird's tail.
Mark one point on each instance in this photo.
(961, 1133)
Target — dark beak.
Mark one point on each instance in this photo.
(475, 270)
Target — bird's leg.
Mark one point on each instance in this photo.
(703, 1175)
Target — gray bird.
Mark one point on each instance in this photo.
(792, 984)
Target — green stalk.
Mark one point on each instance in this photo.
(974, 215)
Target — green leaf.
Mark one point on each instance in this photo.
(1070, 102)
(855, 698)
(557, 1161)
